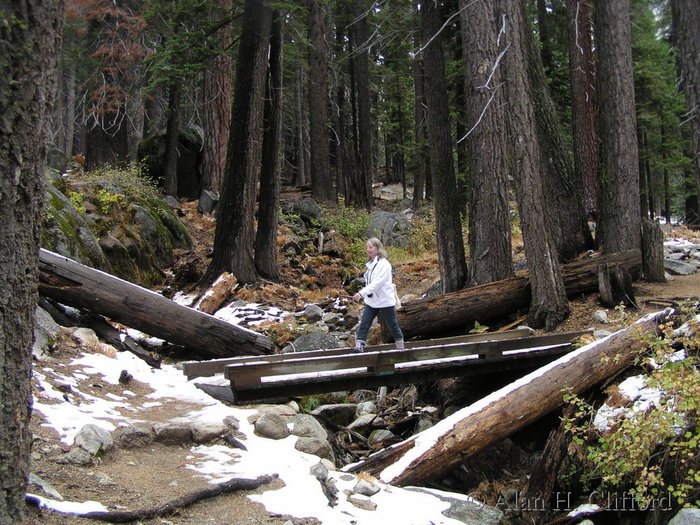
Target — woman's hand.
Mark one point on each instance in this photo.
(356, 297)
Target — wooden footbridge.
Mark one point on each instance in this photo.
(318, 371)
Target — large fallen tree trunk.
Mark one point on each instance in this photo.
(75, 284)
(459, 310)
(432, 452)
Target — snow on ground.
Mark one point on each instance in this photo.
(301, 497)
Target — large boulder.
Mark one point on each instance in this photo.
(393, 229)
(116, 223)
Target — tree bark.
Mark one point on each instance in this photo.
(562, 190)
(30, 38)
(686, 27)
(268, 211)
(457, 311)
(619, 225)
(172, 136)
(106, 141)
(489, 213)
(365, 168)
(582, 75)
(235, 229)
(69, 282)
(420, 154)
(216, 117)
(433, 452)
(653, 251)
(319, 59)
(450, 246)
(549, 305)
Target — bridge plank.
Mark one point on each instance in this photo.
(244, 374)
(417, 372)
(212, 367)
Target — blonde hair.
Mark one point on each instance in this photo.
(378, 244)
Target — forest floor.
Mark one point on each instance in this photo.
(144, 477)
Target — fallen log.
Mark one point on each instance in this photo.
(75, 284)
(171, 507)
(457, 311)
(433, 452)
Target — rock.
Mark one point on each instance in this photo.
(600, 334)
(305, 425)
(466, 510)
(313, 313)
(232, 423)
(380, 435)
(362, 503)
(366, 487)
(679, 267)
(85, 336)
(366, 407)
(363, 395)
(319, 471)
(393, 229)
(315, 446)
(206, 432)
(340, 413)
(45, 486)
(93, 439)
(208, 201)
(271, 426)
(133, 437)
(172, 433)
(280, 410)
(601, 316)
(686, 517)
(76, 456)
(45, 332)
(424, 423)
(307, 209)
(312, 341)
(366, 422)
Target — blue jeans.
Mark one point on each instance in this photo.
(388, 313)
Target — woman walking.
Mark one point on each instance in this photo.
(379, 296)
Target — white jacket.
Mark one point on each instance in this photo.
(379, 290)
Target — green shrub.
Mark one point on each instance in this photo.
(656, 451)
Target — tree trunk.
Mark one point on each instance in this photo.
(582, 76)
(72, 283)
(562, 191)
(435, 451)
(457, 311)
(489, 213)
(106, 142)
(619, 226)
(365, 169)
(420, 122)
(319, 58)
(266, 237)
(653, 251)
(686, 26)
(30, 37)
(299, 142)
(450, 246)
(235, 231)
(216, 117)
(172, 136)
(549, 305)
